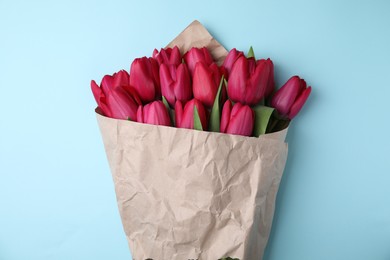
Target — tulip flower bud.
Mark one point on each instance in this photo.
(271, 79)
(195, 55)
(238, 120)
(113, 99)
(100, 98)
(249, 80)
(291, 97)
(185, 116)
(175, 83)
(167, 56)
(205, 83)
(154, 113)
(144, 78)
(230, 59)
(121, 104)
(119, 79)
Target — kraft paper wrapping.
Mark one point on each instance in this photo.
(186, 194)
(195, 35)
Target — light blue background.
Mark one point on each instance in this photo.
(57, 198)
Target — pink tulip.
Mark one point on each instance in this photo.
(185, 117)
(168, 56)
(100, 98)
(195, 55)
(237, 121)
(119, 79)
(291, 97)
(230, 59)
(154, 113)
(205, 83)
(175, 83)
(114, 101)
(144, 77)
(249, 80)
(271, 80)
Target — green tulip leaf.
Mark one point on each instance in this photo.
(164, 100)
(262, 118)
(251, 53)
(171, 112)
(215, 116)
(197, 122)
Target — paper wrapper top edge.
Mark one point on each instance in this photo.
(280, 135)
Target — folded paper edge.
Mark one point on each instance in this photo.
(217, 50)
(279, 136)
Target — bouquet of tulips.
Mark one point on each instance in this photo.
(186, 194)
(192, 91)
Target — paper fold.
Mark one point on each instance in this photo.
(195, 35)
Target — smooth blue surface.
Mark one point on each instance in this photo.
(57, 198)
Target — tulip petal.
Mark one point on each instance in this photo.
(133, 94)
(216, 75)
(237, 80)
(121, 105)
(140, 114)
(203, 85)
(100, 99)
(168, 56)
(195, 55)
(225, 118)
(284, 98)
(107, 83)
(186, 115)
(120, 79)
(236, 109)
(271, 79)
(142, 78)
(97, 91)
(167, 83)
(154, 66)
(230, 59)
(257, 84)
(207, 55)
(178, 114)
(242, 122)
(155, 54)
(154, 113)
(162, 113)
(298, 104)
(182, 87)
(175, 56)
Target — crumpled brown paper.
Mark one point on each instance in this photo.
(195, 35)
(186, 194)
